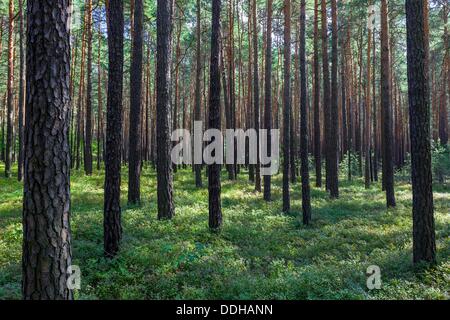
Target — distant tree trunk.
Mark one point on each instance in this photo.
(176, 80)
(317, 141)
(112, 211)
(198, 73)
(424, 243)
(47, 250)
(388, 165)
(166, 208)
(367, 113)
(99, 103)
(443, 112)
(334, 112)
(88, 130)
(215, 208)
(256, 97)
(22, 80)
(326, 92)
(134, 156)
(10, 90)
(306, 198)
(80, 98)
(287, 104)
(268, 96)
(375, 113)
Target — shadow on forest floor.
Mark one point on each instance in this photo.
(260, 253)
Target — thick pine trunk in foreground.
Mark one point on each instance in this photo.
(306, 198)
(166, 209)
(112, 211)
(46, 207)
(134, 155)
(388, 165)
(215, 208)
(424, 243)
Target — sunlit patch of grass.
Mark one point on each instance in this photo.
(260, 253)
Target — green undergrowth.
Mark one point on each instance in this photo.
(260, 253)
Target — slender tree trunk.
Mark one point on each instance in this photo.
(166, 209)
(317, 140)
(424, 243)
(10, 90)
(268, 96)
(99, 103)
(367, 113)
(88, 128)
(326, 92)
(112, 211)
(256, 97)
(47, 253)
(287, 104)
(22, 80)
(443, 112)
(386, 107)
(134, 156)
(306, 198)
(215, 208)
(198, 72)
(334, 112)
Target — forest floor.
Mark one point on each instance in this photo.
(260, 253)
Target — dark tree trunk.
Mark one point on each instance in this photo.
(215, 208)
(88, 130)
(317, 142)
(443, 112)
(326, 92)
(21, 91)
(268, 96)
(306, 198)
(10, 93)
(256, 97)
(424, 243)
(287, 105)
(198, 73)
(47, 250)
(134, 155)
(166, 209)
(388, 165)
(112, 211)
(334, 112)
(99, 103)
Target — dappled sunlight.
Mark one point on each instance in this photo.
(260, 253)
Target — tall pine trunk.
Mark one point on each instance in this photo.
(388, 165)
(47, 253)
(287, 105)
(134, 156)
(215, 208)
(424, 243)
(164, 168)
(112, 212)
(268, 96)
(306, 198)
